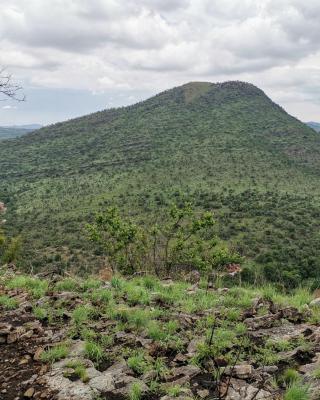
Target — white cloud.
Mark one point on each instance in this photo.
(155, 44)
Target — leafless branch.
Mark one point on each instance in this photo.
(9, 89)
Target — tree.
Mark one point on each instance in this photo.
(8, 89)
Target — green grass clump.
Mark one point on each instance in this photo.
(40, 313)
(297, 392)
(8, 303)
(290, 376)
(82, 314)
(94, 351)
(36, 287)
(79, 370)
(101, 296)
(67, 285)
(138, 363)
(174, 391)
(55, 353)
(135, 392)
(316, 373)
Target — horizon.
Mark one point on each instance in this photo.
(119, 53)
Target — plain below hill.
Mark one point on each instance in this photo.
(9, 132)
(314, 125)
(226, 147)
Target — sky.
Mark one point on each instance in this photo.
(74, 57)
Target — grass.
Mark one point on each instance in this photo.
(138, 363)
(297, 392)
(8, 303)
(82, 314)
(55, 353)
(290, 376)
(79, 370)
(94, 351)
(135, 392)
(40, 313)
(36, 287)
(67, 285)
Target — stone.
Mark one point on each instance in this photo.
(315, 302)
(242, 371)
(29, 393)
(102, 383)
(92, 373)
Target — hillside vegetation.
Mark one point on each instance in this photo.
(225, 147)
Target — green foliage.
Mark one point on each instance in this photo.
(55, 353)
(138, 363)
(227, 148)
(8, 303)
(297, 392)
(135, 392)
(79, 370)
(40, 313)
(290, 376)
(35, 286)
(94, 351)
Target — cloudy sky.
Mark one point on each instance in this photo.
(77, 56)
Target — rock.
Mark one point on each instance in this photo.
(37, 354)
(315, 302)
(242, 371)
(241, 390)
(66, 389)
(92, 373)
(203, 393)
(103, 383)
(182, 375)
(29, 393)
(77, 348)
(12, 337)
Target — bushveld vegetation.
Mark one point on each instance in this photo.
(226, 148)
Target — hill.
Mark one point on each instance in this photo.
(226, 146)
(8, 132)
(314, 125)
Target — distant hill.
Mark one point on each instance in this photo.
(8, 132)
(314, 125)
(226, 147)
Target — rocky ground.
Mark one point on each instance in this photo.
(146, 339)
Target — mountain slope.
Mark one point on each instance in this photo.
(225, 146)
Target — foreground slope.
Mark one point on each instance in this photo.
(225, 146)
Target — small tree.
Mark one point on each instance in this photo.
(121, 240)
(9, 249)
(185, 240)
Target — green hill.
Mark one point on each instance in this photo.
(225, 146)
(8, 132)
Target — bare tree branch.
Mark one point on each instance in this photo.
(9, 89)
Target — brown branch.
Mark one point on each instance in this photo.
(9, 89)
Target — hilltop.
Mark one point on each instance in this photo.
(226, 147)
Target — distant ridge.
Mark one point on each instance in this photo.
(13, 131)
(314, 125)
